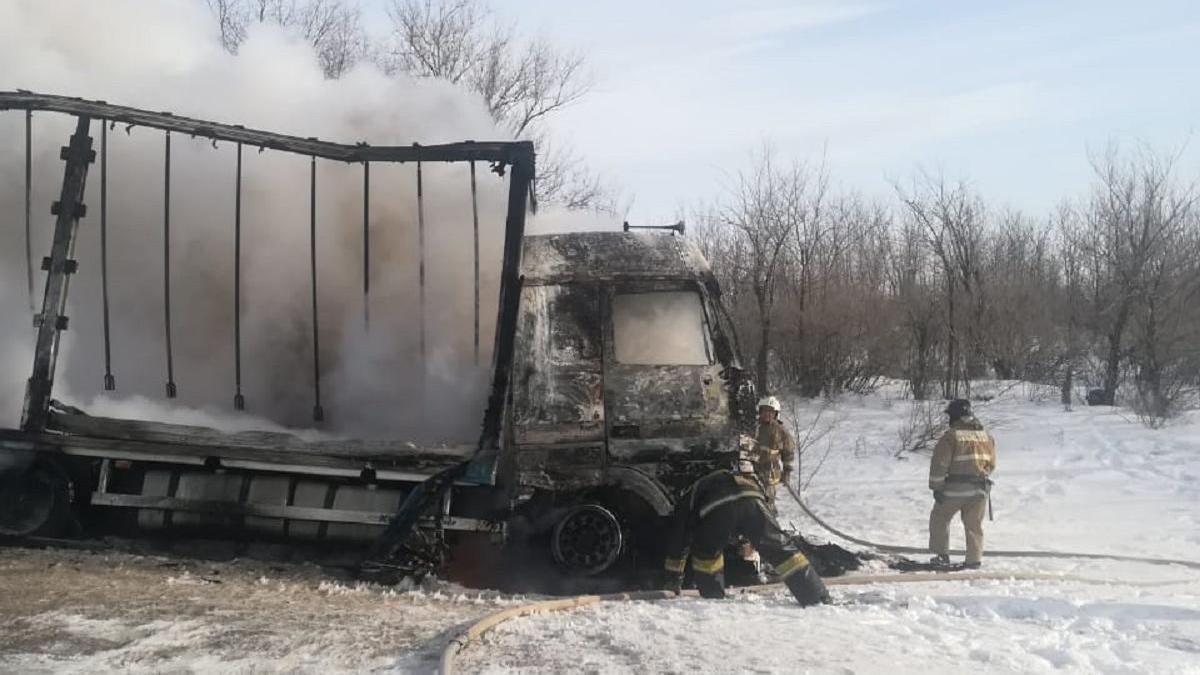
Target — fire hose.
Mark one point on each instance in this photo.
(475, 631)
(459, 643)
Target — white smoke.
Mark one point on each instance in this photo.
(556, 219)
(165, 55)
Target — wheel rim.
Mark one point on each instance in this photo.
(587, 540)
(26, 502)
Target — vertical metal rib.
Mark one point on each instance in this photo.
(239, 401)
(52, 320)
(367, 245)
(110, 383)
(171, 390)
(421, 247)
(475, 223)
(28, 207)
(318, 411)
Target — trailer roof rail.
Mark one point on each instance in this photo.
(499, 152)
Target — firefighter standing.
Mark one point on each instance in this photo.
(775, 450)
(959, 475)
(715, 509)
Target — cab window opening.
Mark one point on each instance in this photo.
(664, 328)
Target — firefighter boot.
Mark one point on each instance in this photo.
(711, 586)
(709, 575)
(806, 585)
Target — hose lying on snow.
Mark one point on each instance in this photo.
(890, 548)
(476, 630)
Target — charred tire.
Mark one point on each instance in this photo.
(34, 501)
(588, 540)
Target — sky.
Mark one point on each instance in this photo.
(1011, 96)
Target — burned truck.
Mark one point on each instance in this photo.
(615, 382)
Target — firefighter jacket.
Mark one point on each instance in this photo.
(714, 490)
(963, 460)
(775, 453)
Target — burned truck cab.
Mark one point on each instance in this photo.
(626, 381)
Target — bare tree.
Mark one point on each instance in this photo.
(333, 27)
(912, 283)
(765, 207)
(1072, 299)
(1021, 331)
(953, 220)
(832, 337)
(1136, 214)
(521, 81)
(564, 178)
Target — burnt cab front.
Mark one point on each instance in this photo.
(626, 376)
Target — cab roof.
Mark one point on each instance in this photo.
(600, 256)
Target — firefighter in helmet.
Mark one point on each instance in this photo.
(959, 475)
(775, 454)
(715, 509)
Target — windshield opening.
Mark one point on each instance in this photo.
(662, 328)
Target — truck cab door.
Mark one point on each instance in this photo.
(557, 396)
(662, 384)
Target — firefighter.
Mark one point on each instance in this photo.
(710, 513)
(959, 475)
(776, 451)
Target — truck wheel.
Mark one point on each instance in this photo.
(588, 540)
(33, 502)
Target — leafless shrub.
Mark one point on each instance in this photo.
(808, 435)
(922, 428)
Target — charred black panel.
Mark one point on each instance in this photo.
(558, 388)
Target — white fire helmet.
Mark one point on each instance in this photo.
(770, 402)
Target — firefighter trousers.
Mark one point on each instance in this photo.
(971, 510)
(751, 519)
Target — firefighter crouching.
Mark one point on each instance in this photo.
(775, 451)
(715, 509)
(959, 475)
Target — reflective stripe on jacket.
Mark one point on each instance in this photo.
(963, 459)
(707, 494)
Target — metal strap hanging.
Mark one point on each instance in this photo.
(239, 401)
(367, 245)
(28, 207)
(318, 411)
(110, 383)
(171, 390)
(475, 223)
(421, 247)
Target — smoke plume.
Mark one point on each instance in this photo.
(165, 55)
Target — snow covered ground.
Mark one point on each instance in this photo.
(1088, 480)
(82, 612)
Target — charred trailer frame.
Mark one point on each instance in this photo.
(581, 444)
(71, 459)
